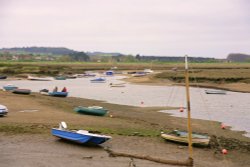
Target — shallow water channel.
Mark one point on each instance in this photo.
(233, 109)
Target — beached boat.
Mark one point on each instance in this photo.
(3, 77)
(39, 78)
(22, 91)
(98, 80)
(58, 94)
(9, 87)
(222, 92)
(182, 137)
(79, 136)
(91, 110)
(3, 110)
(109, 73)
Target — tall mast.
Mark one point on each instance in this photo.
(188, 110)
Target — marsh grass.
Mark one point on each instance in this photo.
(208, 75)
(46, 129)
(54, 68)
(25, 128)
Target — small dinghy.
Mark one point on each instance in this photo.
(182, 137)
(91, 110)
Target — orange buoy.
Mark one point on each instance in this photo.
(223, 126)
(181, 109)
(224, 151)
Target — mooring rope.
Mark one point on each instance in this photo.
(209, 116)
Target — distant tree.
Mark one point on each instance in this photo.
(138, 57)
(129, 58)
(65, 58)
(79, 56)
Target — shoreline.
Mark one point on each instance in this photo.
(128, 124)
(149, 80)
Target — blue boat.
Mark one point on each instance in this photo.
(58, 94)
(3, 77)
(98, 80)
(109, 73)
(10, 87)
(79, 136)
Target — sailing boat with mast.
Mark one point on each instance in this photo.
(188, 137)
(183, 136)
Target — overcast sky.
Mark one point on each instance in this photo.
(205, 28)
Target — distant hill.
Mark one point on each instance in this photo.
(103, 54)
(238, 57)
(40, 50)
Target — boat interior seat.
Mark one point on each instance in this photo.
(82, 131)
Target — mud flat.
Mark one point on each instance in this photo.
(26, 140)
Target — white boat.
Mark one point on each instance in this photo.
(3, 110)
(40, 78)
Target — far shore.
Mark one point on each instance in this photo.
(149, 80)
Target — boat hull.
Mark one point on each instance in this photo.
(197, 139)
(22, 91)
(79, 137)
(91, 111)
(58, 94)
